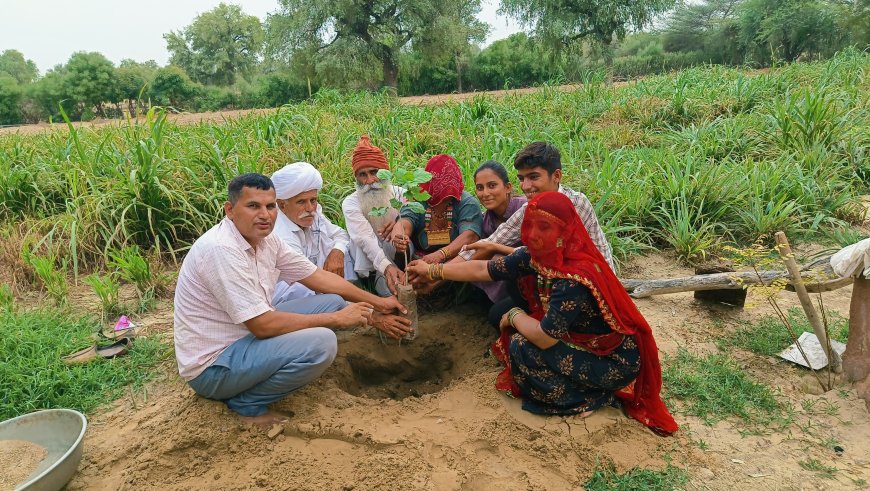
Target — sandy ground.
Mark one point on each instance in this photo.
(425, 415)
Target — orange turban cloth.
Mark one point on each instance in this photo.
(367, 155)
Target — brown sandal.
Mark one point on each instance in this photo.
(118, 348)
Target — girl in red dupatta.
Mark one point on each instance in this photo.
(597, 345)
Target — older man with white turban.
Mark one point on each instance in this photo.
(303, 226)
(371, 252)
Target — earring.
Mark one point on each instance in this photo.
(559, 242)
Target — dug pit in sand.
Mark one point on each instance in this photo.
(368, 367)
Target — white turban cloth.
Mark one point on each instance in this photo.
(295, 179)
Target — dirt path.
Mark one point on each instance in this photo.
(425, 415)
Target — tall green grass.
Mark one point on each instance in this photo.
(689, 161)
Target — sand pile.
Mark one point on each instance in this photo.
(18, 459)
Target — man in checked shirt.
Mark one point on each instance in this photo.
(539, 169)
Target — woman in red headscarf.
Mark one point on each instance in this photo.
(583, 343)
(452, 218)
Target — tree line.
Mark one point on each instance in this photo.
(228, 59)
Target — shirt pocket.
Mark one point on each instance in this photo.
(268, 277)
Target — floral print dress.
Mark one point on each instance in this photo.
(564, 379)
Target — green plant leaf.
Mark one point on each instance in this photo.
(418, 195)
(421, 176)
(385, 175)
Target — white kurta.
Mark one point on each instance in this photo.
(315, 243)
(369, 253)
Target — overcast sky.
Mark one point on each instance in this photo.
(49, 31)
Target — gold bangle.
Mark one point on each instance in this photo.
(431, 272)
(512, 313)
(438, 271)
(446, 253)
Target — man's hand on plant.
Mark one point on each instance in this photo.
(354, 315)
(389, 305)
(394, 277)
(385, 230)
(393, 326)
(335, 262)
(399, 239)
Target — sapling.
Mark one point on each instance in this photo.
(413, 197)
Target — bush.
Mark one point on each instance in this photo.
(214, 99)
(49, 92)
(518, 61)
(652, 60)
(172, 87)
(10, 100)
(277, 89)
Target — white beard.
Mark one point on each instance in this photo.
(376, 196)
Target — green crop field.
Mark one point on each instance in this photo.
(688, 161)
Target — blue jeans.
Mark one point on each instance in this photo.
(253, 373)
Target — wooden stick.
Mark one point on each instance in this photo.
(813, 316)
(638, 288)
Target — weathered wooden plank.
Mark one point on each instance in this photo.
(815, 281)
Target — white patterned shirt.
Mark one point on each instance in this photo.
(224, 282)
(508, 233)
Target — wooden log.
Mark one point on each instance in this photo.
(716, 281)
(807, 303)
(823, 286)
(812, 278)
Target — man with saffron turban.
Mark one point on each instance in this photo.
(369, 249)
(303, 226)
(581, 343)
(452, 218)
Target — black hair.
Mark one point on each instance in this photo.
(539, 154)
(496, 167)
(249, 180)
